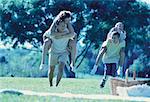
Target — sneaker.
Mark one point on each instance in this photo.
(43, 66)
(103, 83)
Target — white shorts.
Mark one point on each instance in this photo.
(55, 58)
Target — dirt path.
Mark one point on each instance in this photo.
(83, 96)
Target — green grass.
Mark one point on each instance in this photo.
(76, 86)
(15, 98)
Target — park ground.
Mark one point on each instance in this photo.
(69, 90)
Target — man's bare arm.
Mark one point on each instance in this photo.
(122, 57)
(100, 54)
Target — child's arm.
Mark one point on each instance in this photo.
(69, 34)
(70, 28)
(124, 35)
(53, 31)
(110, 32)
(122, 56)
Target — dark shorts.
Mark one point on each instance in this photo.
(110, 69)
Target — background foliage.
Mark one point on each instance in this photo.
(25, 21)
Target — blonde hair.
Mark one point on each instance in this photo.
(118, 24)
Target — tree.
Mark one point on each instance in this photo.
(28, 21)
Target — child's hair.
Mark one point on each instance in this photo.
(62, 16)
(118, 24)
(115, 33)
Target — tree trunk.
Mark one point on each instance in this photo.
(69, 74)
(84, 55)
(81, 53)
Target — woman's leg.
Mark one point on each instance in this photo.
(46, 47)
(60, 72)
(50, 75)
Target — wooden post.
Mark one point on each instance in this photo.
(134, 75)
(126, 76)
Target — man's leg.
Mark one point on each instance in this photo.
(60, 72)
(113, 69)
(50, 75)
(106, 72)
(46, 47)
(72, 46)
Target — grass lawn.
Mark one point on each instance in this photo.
(67, 85)
(77, 86)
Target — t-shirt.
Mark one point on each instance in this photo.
(112, 53)
(58, 45)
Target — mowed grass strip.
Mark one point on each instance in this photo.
(86, 86)
(67, 85)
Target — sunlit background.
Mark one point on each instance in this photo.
(23, 23)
